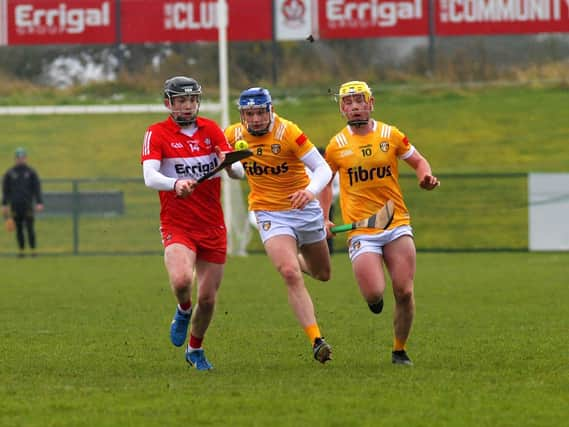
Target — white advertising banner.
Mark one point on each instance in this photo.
(548, 222)
(293, 19)
(3, 23)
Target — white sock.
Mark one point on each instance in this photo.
(188, 311)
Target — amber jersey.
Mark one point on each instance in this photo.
(369, 174)
(183, 156)
(275, 170)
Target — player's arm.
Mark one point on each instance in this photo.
(326, 198)
(321, 176)
(423, 171)
(37, 191)
(236, 171)
(158, 181)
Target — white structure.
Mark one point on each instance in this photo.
(548, 223)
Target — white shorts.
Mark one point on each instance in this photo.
(305, 225)
(375, 242)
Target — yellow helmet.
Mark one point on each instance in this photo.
(354, 87)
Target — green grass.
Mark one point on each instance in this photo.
(84, 343)
(514, 129)
(478, 132)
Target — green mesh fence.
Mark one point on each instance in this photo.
(469, 212)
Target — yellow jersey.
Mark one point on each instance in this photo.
(369, 174)
(275, 170)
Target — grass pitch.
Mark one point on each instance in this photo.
(84, 342)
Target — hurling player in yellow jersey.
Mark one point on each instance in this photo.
(365, 154)
(283, 199)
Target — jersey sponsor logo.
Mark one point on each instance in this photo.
(256, 169)
(60, 20)
(301, 139)
(361, 175)
(176, 145)
(195, 170)
(275, 148)
(406, 141)
(384, 146)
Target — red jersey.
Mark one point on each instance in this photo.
(183, 156)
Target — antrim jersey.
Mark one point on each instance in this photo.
(369, 176)
(184, 156)
(275, 170)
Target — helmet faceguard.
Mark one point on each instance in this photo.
(187, 87)
(256, 98)
(356, 117)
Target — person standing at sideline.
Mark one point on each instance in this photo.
(21, 198)
(282, 197)
(365, 154)
(175, 154)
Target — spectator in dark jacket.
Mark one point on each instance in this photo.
(21, 198)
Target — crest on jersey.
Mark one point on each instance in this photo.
(266, 225)
(384, 146)
(275, 148)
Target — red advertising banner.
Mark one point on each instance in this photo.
(29, 22)
(351, 19)
(60, 21)
(194, 20)
(493, 17)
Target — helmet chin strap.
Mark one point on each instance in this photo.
(258, 132)
(358, 123)
(185, 122)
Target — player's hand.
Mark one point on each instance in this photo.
(9, 225)
(220, 154)
(300, 199)
(184, 187)
(39, 207)
(329, 224)
(429, 182)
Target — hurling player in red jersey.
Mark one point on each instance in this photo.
(175, 153)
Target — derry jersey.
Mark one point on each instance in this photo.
(184, 156)
(369, 174)
(275, 170)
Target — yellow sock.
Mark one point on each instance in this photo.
(398, 345)
(313, 332)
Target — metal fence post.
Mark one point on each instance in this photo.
(76, 208)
